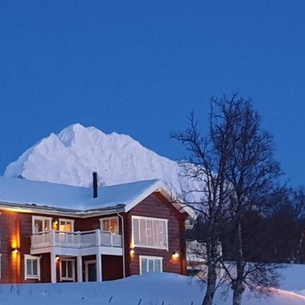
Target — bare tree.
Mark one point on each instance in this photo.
(236, 167)
(251, 173)
(206, 167)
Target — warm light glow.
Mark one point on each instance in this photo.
(175, 254)
(14, 243)
(132, 251)
(19, 210)
(15, 248)
(55, 224)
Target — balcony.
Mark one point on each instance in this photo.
(76, 243)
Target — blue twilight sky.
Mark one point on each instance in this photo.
(140, 67)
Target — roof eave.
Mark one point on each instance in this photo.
(32, 208)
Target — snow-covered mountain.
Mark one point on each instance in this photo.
(71, 156)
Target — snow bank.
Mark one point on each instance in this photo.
(149, 289)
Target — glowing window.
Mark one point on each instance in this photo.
(110, 224)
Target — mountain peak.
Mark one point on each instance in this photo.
(71, 156)
(69, 135)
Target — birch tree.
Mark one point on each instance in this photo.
(235, 171)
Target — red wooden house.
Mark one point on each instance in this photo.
(59, 233)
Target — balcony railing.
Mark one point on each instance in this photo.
(81, 239)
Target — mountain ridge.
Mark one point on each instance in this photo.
(71, 156)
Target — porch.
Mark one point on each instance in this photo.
(76, 243)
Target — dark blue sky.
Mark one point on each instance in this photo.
(140, 67)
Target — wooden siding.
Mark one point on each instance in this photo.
(92, 223)
(112, 267)
(11, 237)
(16, 231)
(157, 206)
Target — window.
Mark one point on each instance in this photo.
(150, 264)
(41, 224)
(67, 270)
(66, 225)
(149, 232)
(110, 224)
(32, 267)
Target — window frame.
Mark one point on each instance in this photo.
(152, 219)
(67, 278)
(66, 220)
(32, 258)
(43, 219)
(151, 258)
(109, 219)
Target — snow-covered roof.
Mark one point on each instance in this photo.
(30, 195)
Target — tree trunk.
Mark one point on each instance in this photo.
(211, 285)
(238, 290)
(237, 286)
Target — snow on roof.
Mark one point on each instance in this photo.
(35, 194)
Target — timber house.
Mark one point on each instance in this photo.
(59, 233)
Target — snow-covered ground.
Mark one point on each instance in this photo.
(148, 289)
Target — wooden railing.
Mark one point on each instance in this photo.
(81, 239)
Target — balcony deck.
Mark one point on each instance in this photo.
(76, 243)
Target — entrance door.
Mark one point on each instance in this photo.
(90, 267)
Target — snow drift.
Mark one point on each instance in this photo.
(148, 289)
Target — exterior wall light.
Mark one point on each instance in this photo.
(15, 250)
(132, 251)
(55, 224)
(175, 254)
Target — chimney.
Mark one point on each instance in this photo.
(94, 184)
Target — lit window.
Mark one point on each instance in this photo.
(67, 270)
(41, 224)
(149, 232)
(110, 224)
(66, 225)
(150, 264)
(32, 267)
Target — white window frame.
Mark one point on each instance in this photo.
(66, 221)
(67, 278)
(109, 219)
(43, 219)
(31, 258)
(149, 232)
(152, 258)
